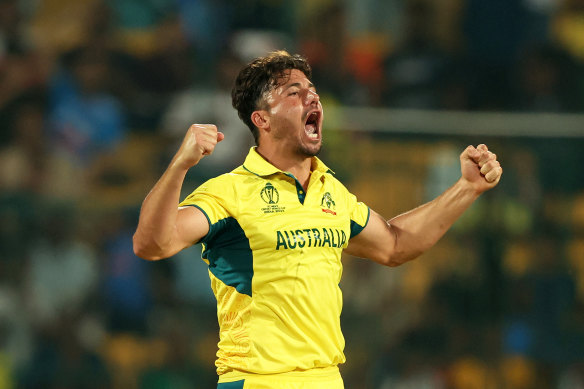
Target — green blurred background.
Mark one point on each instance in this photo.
(95, 96)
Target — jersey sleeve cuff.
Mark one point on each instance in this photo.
(356, 228)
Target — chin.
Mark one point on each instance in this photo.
(310, 151)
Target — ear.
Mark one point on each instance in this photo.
(261, 119)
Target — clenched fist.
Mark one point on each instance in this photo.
(199, 141)
(480, 167)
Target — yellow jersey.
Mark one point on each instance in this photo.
(274, 256)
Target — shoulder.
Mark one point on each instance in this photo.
(336, 185)
(224, 182)
(223, 187)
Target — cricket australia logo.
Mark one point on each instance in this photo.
(271, 197)
(328, 202)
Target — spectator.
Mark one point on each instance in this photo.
(567, 27)
(494, 37)
(210, 105)
(414, 71)
(61, 275)
(546, 76)
(22, 68)
(23, 154)
(86, 119)
(126, 291)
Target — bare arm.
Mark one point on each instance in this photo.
(163, 228)
(408, 235)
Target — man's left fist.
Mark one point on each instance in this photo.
(480, 167)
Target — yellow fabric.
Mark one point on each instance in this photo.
(327, 378)
(275, 266)
(263, 383)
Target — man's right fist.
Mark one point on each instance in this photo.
(199, 141)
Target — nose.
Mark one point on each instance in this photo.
(311, 97)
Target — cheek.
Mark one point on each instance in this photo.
(282, 114)
(283, 110)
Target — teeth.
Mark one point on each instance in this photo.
(311, 126)
(311, 131)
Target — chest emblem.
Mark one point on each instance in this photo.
(327, 204)
(270, 194)
(271, 197)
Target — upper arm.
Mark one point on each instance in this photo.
(191, 226)
(376, 241)
(211, 202)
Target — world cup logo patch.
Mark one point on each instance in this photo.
(271, 197)
(270, 194)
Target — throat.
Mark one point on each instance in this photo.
(290, 161)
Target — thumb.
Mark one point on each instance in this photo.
(220, 136)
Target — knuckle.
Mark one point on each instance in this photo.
(487, 167)
(203, 127)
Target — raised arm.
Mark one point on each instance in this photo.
(163, 228)
(408, 235)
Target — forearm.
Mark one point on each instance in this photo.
(163, 229)
(158, 215)
(421, 228)
(393, 242)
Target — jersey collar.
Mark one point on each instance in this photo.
(257, 165)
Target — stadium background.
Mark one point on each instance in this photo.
(96, 95)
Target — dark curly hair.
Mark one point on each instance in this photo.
(259, 77)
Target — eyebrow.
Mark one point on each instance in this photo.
(298, 85)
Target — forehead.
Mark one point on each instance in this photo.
(291, 77)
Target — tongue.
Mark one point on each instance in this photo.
(310, 128)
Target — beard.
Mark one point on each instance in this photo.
(296, 143)
(308, 151)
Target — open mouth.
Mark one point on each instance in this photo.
(312, 125)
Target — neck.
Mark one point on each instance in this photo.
(299, 166)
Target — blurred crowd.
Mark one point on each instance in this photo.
(95, 96)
